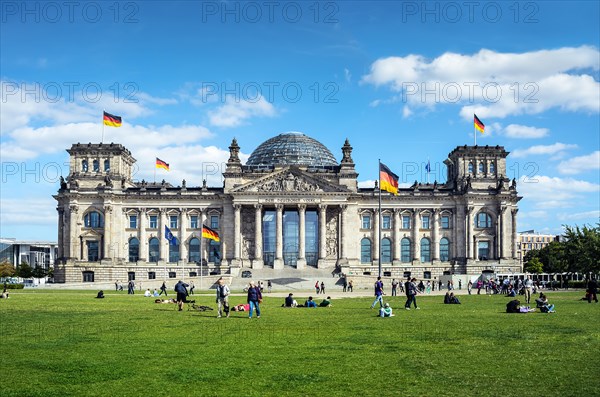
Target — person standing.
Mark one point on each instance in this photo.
(317, 288)
(182, 293)
(412, 294)
(345, 285)
(254, 299)
(269, 285)
(592, 287)
(394, 287)
(131, 287)
(117, 285)
(470, 286)
(528, 284)
(322, 287)
(163, 289)
(350, 286)
(378, 293)
(459, 284)
(192, 286)
(223, 292)
(440, 285)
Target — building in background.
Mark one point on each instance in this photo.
(291, 206)
(530, 240)
(34, 253)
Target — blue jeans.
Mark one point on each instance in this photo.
(254, 304)
(378, 298)
(410, 299)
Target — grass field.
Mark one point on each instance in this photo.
(66, 343)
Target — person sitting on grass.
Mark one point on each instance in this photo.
(310, 302)
(326, 302)
(155, 294)
(290, 301)
(543, 305)
(386, 311)
(100, 295)
(148, 294)
(451, 299)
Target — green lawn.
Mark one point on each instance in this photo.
(66, 343)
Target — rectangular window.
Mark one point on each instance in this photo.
(151, 275)
(387, 222)
(405, 222)
(194, 221)
(88, 277)
(425, 222)
(366, 222)
(173, 221)
(131, 276)
(133, 221)
(153, 221)
(172, 275)
(483, 249)
(445, 222)
(214, 221)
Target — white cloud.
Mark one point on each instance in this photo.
(28, 211)
(406, 112)
(493, 84)
(524, 132)
(347, 75)
(553, 149)
(545, 192)
(236, 112)
(577, 165)
(594, 216)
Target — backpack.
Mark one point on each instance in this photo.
(513, 306)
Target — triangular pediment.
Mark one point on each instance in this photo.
(90, 233)
(289, 180)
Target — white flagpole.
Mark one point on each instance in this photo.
(102, 140)
(474, 131)
(379, 223)
(202, 228)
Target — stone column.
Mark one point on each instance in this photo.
(377, 236)
(435, 236)
(301, 264)
(470, 245)
(396, 241)
(237, 231)
(257, 263)
(142, 236)
(182, 235)
(163, 243)
(278, 262)
(344, 244)
(108, 223)
(323, 231)
(416, 244)
(74, 241)
(514, 236)
(61, 228)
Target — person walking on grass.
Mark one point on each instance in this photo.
(528, 284)
(592, 287)
(378, 293)
(192, 286)
(222, 298)
(182, 293)
(394, 287)
(163, 288)
(411, 294)
(254, 299)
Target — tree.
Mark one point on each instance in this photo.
(39, 272)
(25, 271)
(534, 266)
(7, 270)
(582, 248)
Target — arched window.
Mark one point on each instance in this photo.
(483, 220)
(84, 165)
(444, 249)
(134, 249)
(174, 250)
(214, 249)
(365, 250)
(93, 219)
(492, 168)
(471, 170)
(405, 250)
(106, 165)
(425, 250)
(153, 250)
(96, 165)
(386, 250)
(194, 252)
(481, 167)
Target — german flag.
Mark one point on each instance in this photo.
(208, 233)
(112, 120)
(388, 181)
(479, 126)
(162, 164)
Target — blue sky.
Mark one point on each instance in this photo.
(400, 80)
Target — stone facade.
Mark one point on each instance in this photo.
(286, 214)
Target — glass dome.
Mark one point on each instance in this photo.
(292, 148)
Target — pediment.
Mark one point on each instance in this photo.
(289, 180)
(90, 233)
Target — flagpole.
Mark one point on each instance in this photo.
(102, 140)
(379, 223)
(475, 133)
(201, 230)
(428, 170)
(155, 171)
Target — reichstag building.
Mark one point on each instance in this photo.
(292, 205)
